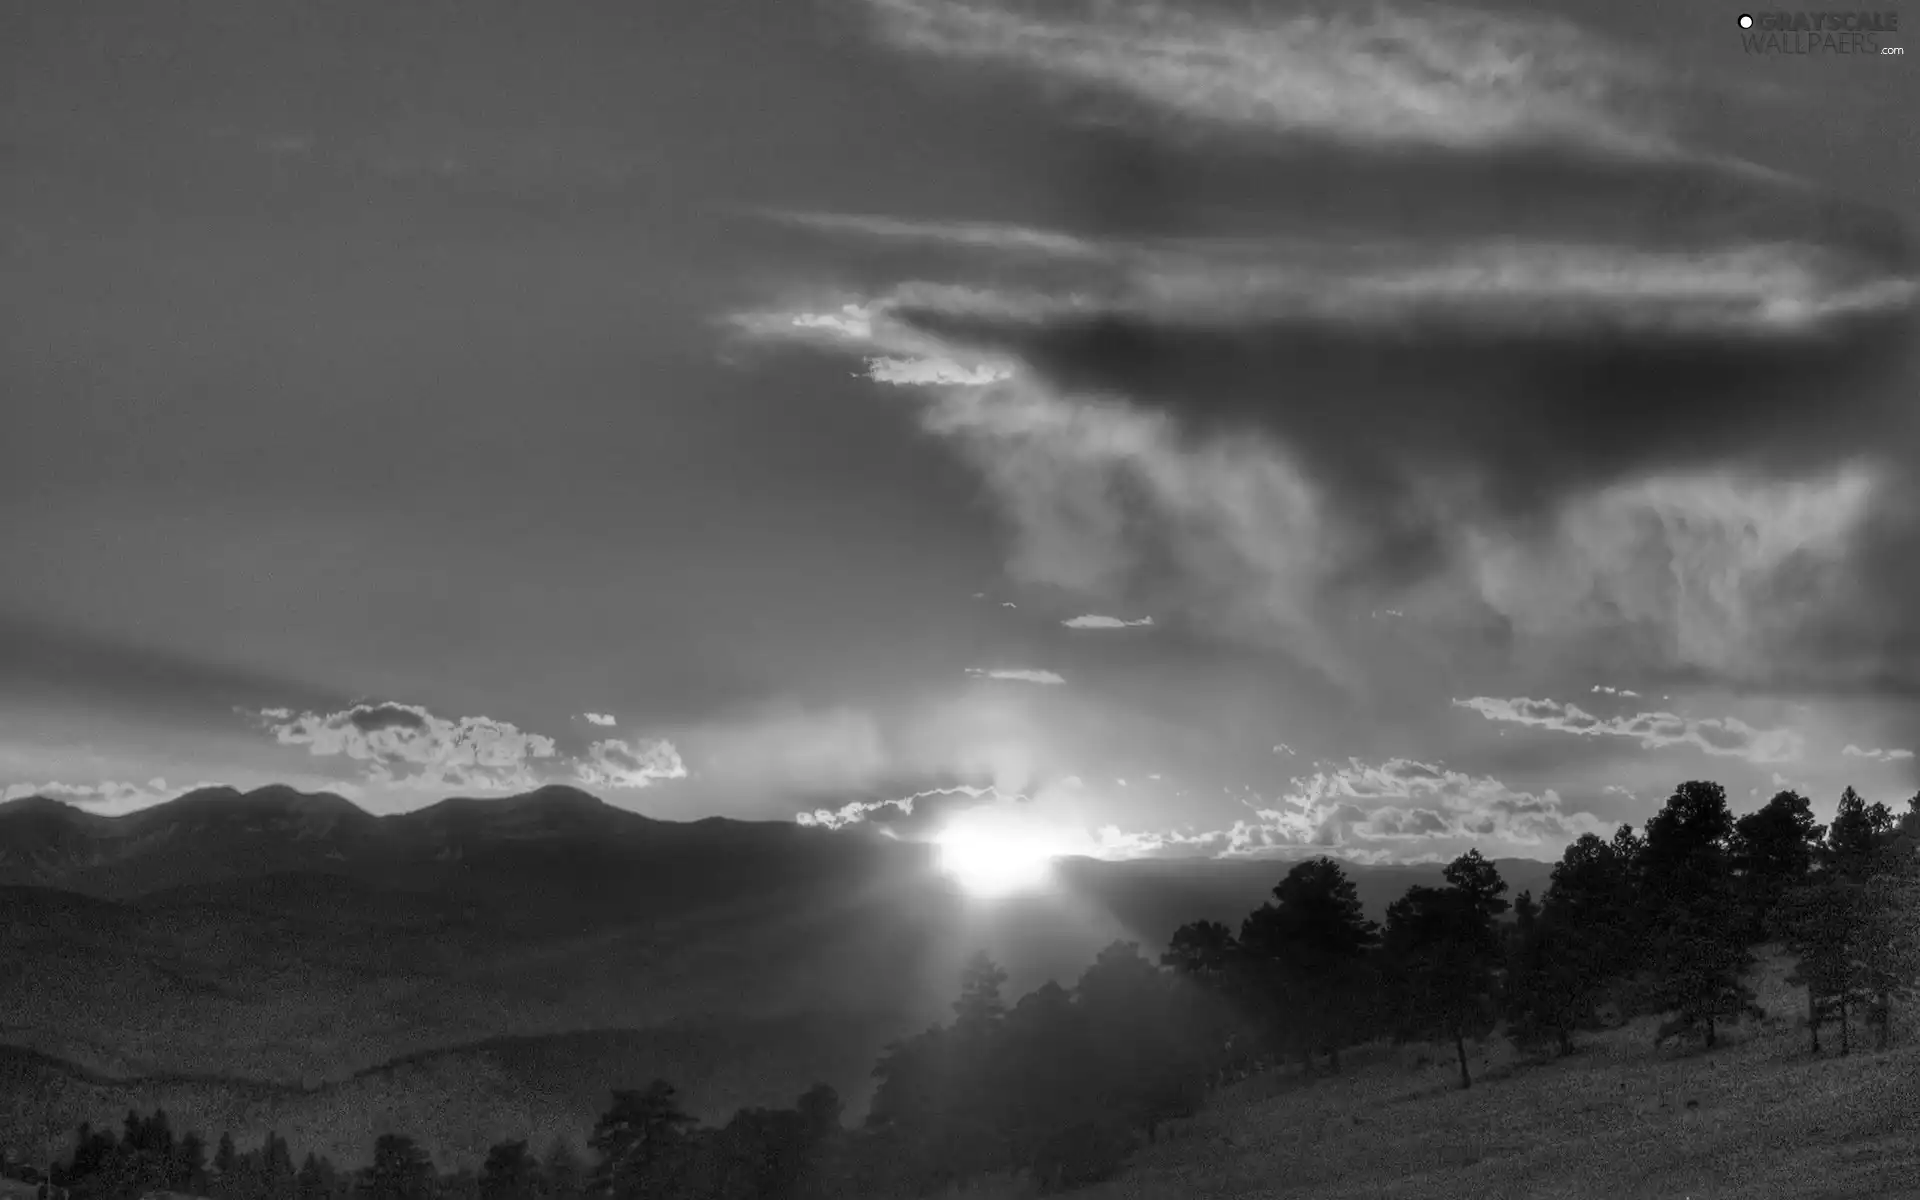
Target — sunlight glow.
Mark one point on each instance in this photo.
(993, 854)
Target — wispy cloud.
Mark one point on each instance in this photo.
(1876, 755)
(1096, 621)
(1017, 674)
(1601, 689)
(1432, 75)
(971, 236)
(1723, 737)
(598, 718)
(859, 812)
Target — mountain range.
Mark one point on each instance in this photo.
(486, 968)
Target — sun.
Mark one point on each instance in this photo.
(992, 858)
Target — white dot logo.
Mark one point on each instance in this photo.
(1746, 21)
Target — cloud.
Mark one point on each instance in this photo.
(1601, 689)
(971, 237)
(1396, 809)
(1435, 75)
(1018, 674)
(1724, 737)
(1096, 621)
(927, 372)
(892, 809)
(618, 763)
(405, 745)
(1377, 812)
(1402, 799)
(1877, 755)
(377, 717)
(1568, 429)
(598, 718)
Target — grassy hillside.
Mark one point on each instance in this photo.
(1757, 1118)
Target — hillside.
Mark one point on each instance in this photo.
(1757, 1118)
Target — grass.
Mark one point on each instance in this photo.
(1756, 1118)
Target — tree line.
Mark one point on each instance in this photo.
(1060, 1086)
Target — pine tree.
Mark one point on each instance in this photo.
(639, 1140)
(1889, 942)
(1443, 949)
(561, 1171)
(509, 1172)
(1313, 942)
(400, 1170)
(1820, 924)
(1702, 959)
(1542, 996)
(311, 1183)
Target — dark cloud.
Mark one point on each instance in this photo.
(1523, 412)
(370, 717)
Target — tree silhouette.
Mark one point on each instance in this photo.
(1443, 950)
(510, 1172)
(1773, 849)
(400, 1171)
(1544, 996)
(1857, 835)
(1889, 940)
(1697, 935)
(1148, 1069)
(1312, 943)
(979, 1007)
(640, 1141)
(561, 1171)
(312, 1182)
(188, 1170)
(1819, 922)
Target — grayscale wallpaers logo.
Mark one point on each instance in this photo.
(1824, 31)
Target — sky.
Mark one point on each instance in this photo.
(1229, 428)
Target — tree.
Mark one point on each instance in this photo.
(1590, 909)
(1312, 942)
(1201, 950)
(1443, 950)
(1148, 1067)
(562, 1172)
(1889, 941)
(276, 1166)
(979, 1007)
(1543, 997)
(1819, 922)
(400, 1170)
(640, 1140)
(510, 1172)
(1858, 833)
(1687, 850)
(312, 1183)
(1774, 849)
(189, 1168)
(1701, 958)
